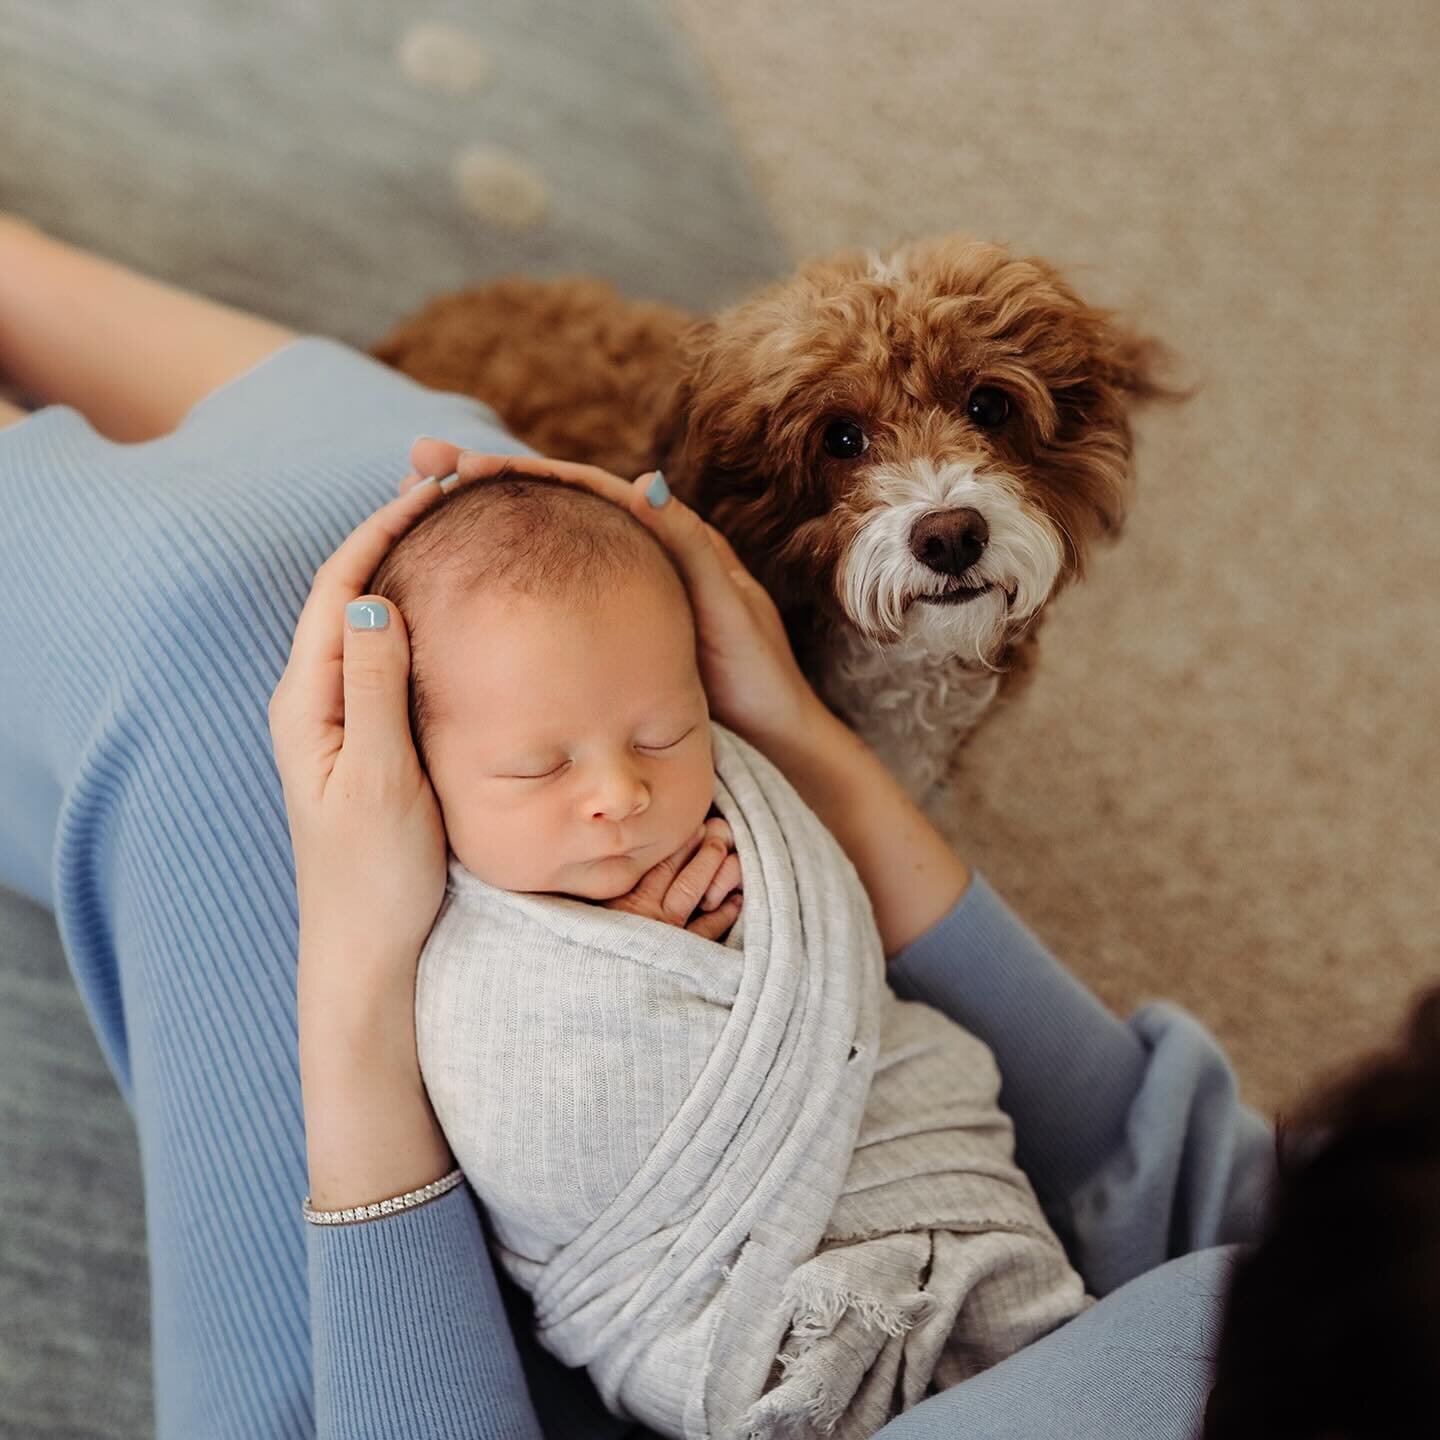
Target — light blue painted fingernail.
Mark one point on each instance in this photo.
(367, 615)
(658, 492)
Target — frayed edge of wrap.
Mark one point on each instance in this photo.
(816, 1309)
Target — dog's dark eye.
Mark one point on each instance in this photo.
(844, 439)
(988, 407)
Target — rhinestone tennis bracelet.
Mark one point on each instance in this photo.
(383, 1207)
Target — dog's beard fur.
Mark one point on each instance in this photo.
(915, 679)
(880, 582)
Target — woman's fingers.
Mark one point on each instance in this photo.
(317, 650)
(438, 457)
(377, 669)
(430, 456)
(728, 558)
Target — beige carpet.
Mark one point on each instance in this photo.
(1222, 787)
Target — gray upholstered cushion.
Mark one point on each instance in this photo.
(74, 1311)
(281, 158)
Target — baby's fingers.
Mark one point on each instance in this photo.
(655, 883)
(727, 878)
(713, 925)
(683, 895)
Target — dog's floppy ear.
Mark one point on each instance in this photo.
(1113, 367)
(1135, 363)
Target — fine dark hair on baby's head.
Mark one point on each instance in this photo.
(512, 533)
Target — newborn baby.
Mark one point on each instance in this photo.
(555, 700)
(745, 1185)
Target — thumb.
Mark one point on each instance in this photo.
(377, 674)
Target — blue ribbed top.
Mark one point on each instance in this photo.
(151, 591)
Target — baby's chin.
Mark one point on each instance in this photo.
(598, 881)
(608, 879)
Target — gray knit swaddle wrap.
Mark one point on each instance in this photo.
(742, 1182)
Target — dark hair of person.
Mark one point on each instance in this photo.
(1331, 1324)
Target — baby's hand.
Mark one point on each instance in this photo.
(704, 871)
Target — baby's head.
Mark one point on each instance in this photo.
(555, 697)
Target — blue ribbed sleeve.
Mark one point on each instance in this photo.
(401, 1339)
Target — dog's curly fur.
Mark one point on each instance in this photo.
(912, 571)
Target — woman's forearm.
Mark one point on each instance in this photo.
(130, 352)
(370, 1133)
(909, 870)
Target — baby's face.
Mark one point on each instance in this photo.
(571, 751)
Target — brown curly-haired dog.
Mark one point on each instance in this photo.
(913, 454)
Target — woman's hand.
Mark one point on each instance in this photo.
(370, 853)
(365, 825)
(754, 683)
(704, 871)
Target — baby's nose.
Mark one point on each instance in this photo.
(620, 795)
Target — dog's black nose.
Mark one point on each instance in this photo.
(949, 541)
